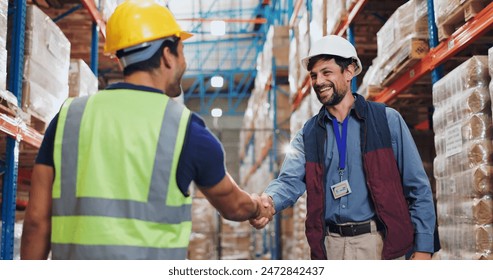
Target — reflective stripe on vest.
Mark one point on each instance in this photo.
(160, 225)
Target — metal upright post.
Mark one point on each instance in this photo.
(95, 48)
(12, 153)
(277, 247)
(350, 37)
(437, 73)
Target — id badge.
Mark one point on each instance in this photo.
(340, 189)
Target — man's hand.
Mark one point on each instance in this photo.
(265, 211)
(420, 256)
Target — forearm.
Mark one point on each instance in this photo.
(232, 202)
(35, 241)
(245, 208)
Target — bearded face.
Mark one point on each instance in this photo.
(329, 82)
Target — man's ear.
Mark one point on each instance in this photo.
(349, 72)
(166, 57)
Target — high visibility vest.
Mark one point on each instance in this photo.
(115, 194)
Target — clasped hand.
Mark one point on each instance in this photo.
(265, 213)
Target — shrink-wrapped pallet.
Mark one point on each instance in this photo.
(473, 238)
(47, 61)
(6, 96)
(402, 40)
(474, 182)
(476, 211)
(408, 21)
(203, 239)
(3, 39)
(490, 67)
(336, 12)
(463, 166)
(82, 80)
(473, 73)
(318, 20)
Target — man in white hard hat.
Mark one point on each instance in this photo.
(368, 196)
(112, 177)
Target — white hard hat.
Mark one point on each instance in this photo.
(333, 45)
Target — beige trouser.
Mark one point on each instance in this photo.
(366, 246)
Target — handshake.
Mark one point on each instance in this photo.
(265, 210)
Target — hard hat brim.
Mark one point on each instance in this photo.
(185, 35)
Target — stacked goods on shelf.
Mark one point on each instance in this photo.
(336, 13)
(3, 43)
(318, 23)
(298, 48)
(463, 167)
(11, 100)
(401, 42)
(82, 80)
(235, 240)
(403, 39)
(47, 62)
(268, 106)
(204, 238)
(490, 67)
(452, 14)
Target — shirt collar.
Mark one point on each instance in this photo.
(123, 85)
(329, 117)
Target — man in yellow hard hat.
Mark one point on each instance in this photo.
(112, 176)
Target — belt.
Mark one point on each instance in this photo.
(350, 229)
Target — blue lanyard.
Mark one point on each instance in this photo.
(341, 143)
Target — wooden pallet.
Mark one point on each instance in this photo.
(373, 91)
(464, 12)
(419, 49)
(35, 121)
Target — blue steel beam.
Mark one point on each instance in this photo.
(210, 57)
(68, 12)
(351, 39)
(12, 151)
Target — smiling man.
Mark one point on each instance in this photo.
(368, 196)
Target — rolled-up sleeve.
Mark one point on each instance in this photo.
(416, 184)
(290, 184)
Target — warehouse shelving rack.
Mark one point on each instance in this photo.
(241, 47)
(271, 12)
(17, 131)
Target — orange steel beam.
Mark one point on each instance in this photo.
(253, 20)
(460, 39)
(302, 93)
(20, 131)
(96, 16)
(358, 6)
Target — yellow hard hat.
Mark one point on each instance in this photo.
(138, 21)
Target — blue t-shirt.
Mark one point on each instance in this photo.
(201, 160)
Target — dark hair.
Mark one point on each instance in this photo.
(155, 60)
(341, 61)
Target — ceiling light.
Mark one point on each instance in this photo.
(217, 81)
(216, 112)
(218, 27)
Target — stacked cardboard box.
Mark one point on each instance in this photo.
(336, 13)
(462, 122)
(8, 97)
(451, 14)
(47, 62)
(401, 42)
(82, 80)
(204, 237)
(3, 43)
